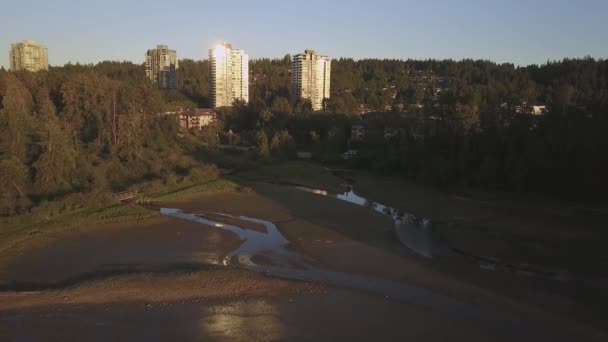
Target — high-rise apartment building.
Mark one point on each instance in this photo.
(229, 75)
(29, 55)
(161, 67)
(310, 78)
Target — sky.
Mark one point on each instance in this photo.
(514, 31)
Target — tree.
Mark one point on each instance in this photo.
(92, 128)
(17, 98)
(16, 120)
(57, 159)
(57, 163)
(210, 135)
(336, 141)
(303, 106)
(282, 145)
(194, 81)
(264, 118)
(281, 105)
(13, 183)
(88, 108)
(130, 144)
(44, 106)
(263, 149)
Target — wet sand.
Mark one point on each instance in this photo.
(160, 242)
(334, 315)
(170, 241)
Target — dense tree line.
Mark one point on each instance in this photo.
(87, 128)
(477, 131)
(82, 129)
(453, 122)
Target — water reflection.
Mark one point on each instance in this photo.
(271, 243)
(416, 234)
(412, 231)
(287, 264)
(241, 320)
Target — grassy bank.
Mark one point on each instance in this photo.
(507, 226)
(212, 186)
(87, 210)
(19, 228)
(294, 172)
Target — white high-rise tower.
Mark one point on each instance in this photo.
(310, 78)
(29, 55)
(161, 67)
(229, 75)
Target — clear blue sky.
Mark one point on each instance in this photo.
(517, 31)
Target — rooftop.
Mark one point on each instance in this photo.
(198, 112)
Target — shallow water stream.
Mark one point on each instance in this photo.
(416, 234)
(285, 263)
(413, 232)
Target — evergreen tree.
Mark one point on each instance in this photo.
(16, 120)
(263, 148)
(283, 145)
(13, 186)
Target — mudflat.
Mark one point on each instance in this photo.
(223, 306)
(161, 242)
(163, 279)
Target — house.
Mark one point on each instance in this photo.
(538, 110)
(524, 108)
(196, 118)
(173, 110)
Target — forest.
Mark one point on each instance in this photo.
(466, 123)
(88, 130)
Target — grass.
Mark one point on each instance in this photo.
(420, 200)
(294, 172)
(76, 212)
(14, 231)
(212, 186)
(81, 210)
(520, 216)
(324, 218)
(517, 229)
(520, 230)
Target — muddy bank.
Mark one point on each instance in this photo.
(158, 288)
(296, 220)
(519, 231)
(428, 239)
(283, 315)
(547, 286)
(330, 318)
(161, 242)
(288, 264)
